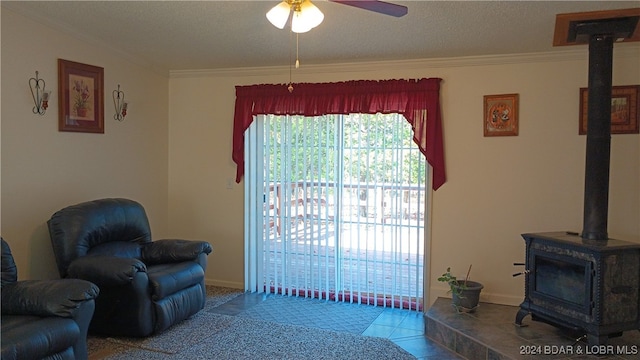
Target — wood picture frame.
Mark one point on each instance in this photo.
(625, 109)
(501, 115)
(80, 97)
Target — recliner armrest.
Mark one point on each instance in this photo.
(58, 297)
(106, 270)
(173, 250)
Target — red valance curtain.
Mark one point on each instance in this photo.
(417, 100)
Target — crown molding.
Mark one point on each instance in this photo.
(577, 54)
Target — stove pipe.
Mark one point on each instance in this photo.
(600, 34)
(596, 187)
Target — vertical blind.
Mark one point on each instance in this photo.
(335, 208)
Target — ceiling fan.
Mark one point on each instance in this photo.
(381, 7)
(306, 16)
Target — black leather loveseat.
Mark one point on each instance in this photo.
(145, 286)
(44, 319)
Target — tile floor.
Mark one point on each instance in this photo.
(403, 327)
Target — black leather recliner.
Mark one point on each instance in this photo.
(44, 319)
(145, 286)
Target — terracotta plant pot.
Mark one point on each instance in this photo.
(466, 297)
(82, 112)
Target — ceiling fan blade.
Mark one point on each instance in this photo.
(377, 6)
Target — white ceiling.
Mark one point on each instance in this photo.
(189, 35)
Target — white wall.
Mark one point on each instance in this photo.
(44, 170)
(497, 188)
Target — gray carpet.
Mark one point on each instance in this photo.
(207, 335)
(315, 313)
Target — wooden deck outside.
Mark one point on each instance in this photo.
(381, 252)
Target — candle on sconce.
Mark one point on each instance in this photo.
(125, 105)
(45, 99)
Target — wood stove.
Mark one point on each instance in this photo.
(591, 287)
(587, 282)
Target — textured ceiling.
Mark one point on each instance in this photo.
(188, 35)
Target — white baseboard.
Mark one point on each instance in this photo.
(222, 283)
(485, 296)
(502, 299)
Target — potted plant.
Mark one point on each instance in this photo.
(465, 293)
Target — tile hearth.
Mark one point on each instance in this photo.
(490, 333)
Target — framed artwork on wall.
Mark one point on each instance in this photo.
(80, 97)
(625, 109)
(501, 115)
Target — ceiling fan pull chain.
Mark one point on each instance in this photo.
(290, 87)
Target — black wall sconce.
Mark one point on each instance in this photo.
(39, 94)
(119, 104)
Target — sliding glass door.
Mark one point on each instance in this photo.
(335, 208)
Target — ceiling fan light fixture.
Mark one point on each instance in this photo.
(305, 17)
(309, 15)
(298, 25)
(279, 14)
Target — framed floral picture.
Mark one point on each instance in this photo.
(81, 97)
(501, 115)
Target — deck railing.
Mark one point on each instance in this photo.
(369, 237)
